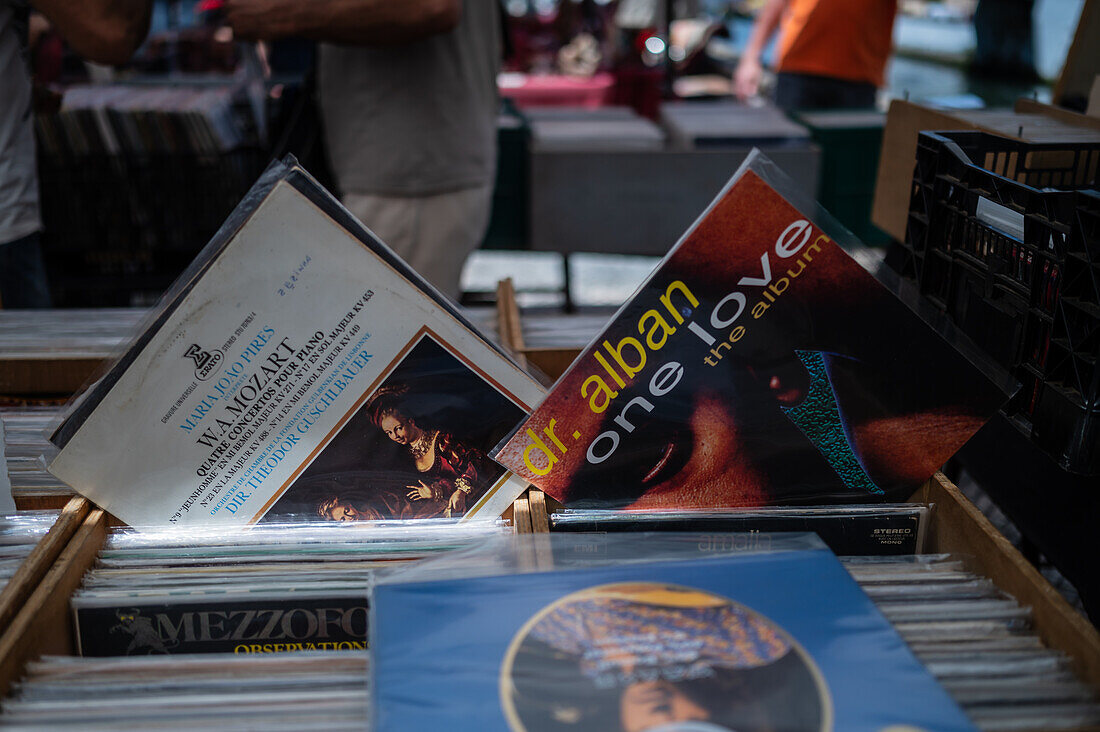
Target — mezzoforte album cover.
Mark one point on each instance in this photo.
(758, 364)
(297, 369)
(765, 640)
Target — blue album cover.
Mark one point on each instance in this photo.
(738, 643)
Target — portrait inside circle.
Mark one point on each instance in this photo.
(654, 657)
(415, 448)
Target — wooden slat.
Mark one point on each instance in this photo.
(1080, 66)
(1032, 106)
(540, 521)
(521, 515)
(39, 561)
(509, 327)
(43, 625)
(46, 376)
(52, 502)
(551, 362)
(960, 528)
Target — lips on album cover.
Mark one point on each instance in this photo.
(758, 364)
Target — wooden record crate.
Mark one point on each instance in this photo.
(35, 612)
(957, 526)
(35, 616)
(19, 596)
(53, 368)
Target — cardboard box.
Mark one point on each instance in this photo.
(1030, 121)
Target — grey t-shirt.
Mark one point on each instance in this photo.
(19, 214)
(415, 119)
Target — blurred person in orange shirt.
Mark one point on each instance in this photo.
(831, 53)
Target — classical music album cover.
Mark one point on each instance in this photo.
(297, 369)
(280, 623)
(751, 642)
(759, 363)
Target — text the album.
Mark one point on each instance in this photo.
(758, 364)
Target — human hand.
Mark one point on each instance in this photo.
(419, 492)
(264, 19)
(746, 79)
(457, 503)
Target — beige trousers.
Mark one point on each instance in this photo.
(433, 234)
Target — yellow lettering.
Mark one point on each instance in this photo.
(660, 328)
(596, 404)
(617, 353)
(610, 371)
(549, 430)
(666, 299)
(538, 444)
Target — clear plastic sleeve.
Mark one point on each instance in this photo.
(760, 363)
(778, 638)
(297, 367)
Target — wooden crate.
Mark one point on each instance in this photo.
(21, 599)
(957, 527)
(40, 618)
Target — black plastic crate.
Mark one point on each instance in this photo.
(1004, 237)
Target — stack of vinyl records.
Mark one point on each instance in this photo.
(134, 179)
(18, 535)
(24, 443)
(977, 642)
(560, 330)
(147, 120)
(278, 587)
(568, 129)
(225, 691)
(66, 334)
(50, 354)
(871, 529)
(975, 639)
(676, 627)
(730, 124)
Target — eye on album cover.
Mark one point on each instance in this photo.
(759, 364)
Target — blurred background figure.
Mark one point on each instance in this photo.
(832, 54)
(103, 31)
(409, 103)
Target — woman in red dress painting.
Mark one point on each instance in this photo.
(454, 475)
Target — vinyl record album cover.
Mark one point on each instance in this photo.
(736, 643)
(759, 363)
(298, 369)
(880, 529)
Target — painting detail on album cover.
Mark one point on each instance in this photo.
(638, 656)
(759, 364)
(415, 448)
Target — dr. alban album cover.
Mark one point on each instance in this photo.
(759, 363)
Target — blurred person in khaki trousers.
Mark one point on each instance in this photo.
(409, 103)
